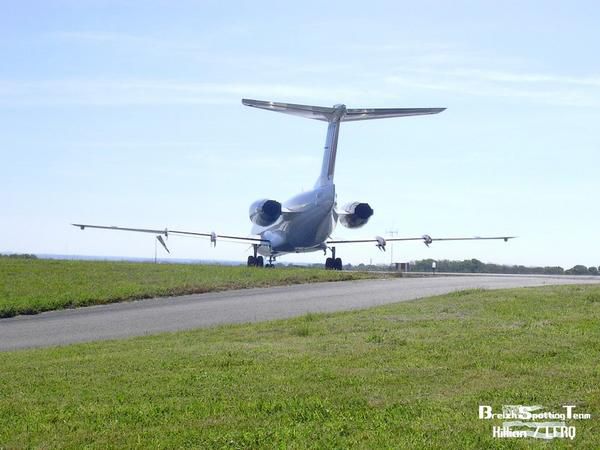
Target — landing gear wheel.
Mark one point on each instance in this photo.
(337, 263)
(260, 261)
(329, 264)
(251, 261)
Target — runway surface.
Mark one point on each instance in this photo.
(157, 315)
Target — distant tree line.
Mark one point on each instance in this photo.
(472, 266)
(19, 256)
(476, 266)
(582, 270)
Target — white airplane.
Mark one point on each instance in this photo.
(305, 222)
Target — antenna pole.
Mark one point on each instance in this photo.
(392, 233)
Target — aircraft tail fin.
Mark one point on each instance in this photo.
(334, 116)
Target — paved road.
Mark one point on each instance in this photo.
(250, 305)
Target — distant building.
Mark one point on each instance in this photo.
(402, 267)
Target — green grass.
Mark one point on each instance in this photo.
(30, 286)
(409, 375)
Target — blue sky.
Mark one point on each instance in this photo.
(128, 113)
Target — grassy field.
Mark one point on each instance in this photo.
(409, 375)
(30, 286)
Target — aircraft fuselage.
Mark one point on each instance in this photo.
(307, 222)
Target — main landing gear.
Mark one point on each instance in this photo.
(256, 261)
(259, 261)
(333, 263)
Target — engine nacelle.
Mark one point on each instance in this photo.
(265, 212)
(356, 215)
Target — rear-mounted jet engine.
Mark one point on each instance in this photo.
(356, 214)
(265, 212)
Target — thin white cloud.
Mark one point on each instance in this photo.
(137, 42)
(538, 88)
(96, 36)
(446, 67)
(200, 49)
(397, 68)
(516, 77)
(167, 92)
(152, 92)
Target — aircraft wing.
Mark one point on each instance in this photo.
(375, 240)
(380, 242)
(166, 232)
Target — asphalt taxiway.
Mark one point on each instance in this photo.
(142, 317)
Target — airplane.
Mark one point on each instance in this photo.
(305, 222)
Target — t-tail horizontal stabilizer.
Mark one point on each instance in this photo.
(328, 114)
